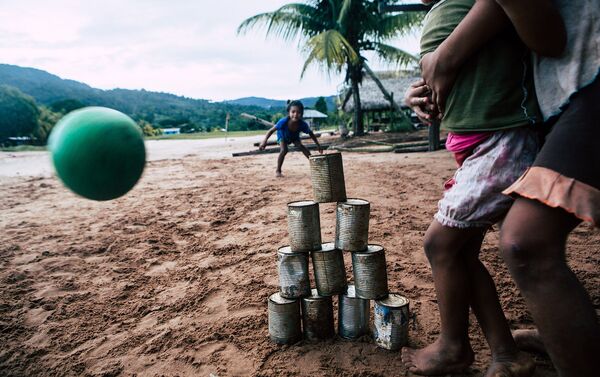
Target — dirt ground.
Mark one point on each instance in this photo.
(173, 278)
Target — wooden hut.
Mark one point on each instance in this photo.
(378, 110)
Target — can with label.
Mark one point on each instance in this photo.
(391, 322)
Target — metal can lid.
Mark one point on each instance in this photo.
(302, 203)
(350, 292)
(371, 249)
(324, 155)
(288, 251)
(278, 299)
(393, 300)
(328, 246)
(354, 202)
(314, 296)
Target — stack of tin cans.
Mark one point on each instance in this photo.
(297, 311)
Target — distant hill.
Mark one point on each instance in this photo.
(273, 103)
(155, 107)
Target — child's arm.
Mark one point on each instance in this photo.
(263, 145)
(537, 20)
(314, 138)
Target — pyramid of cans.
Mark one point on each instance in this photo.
(298, 311)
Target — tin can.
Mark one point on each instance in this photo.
(284, 320)
(354, 315)
(317, 317)
(370, 274)
(391, 322)
(330, 274)
(327, 175)
(352, 225)
(293, 273)
(304, 225)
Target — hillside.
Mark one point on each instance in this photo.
(154, 107)
(273, 103)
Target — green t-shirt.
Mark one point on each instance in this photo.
(494, 88)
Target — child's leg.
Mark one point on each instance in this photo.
(283, 150)
(451, 352)
(461, 279)
(507, 360)
(533, 240)
(302, 148)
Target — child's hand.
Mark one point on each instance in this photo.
(417, 97)
(262, 146)
(320, 149)
(439, 78)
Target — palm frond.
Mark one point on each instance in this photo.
(330, 50)
(286, 22)
(345, 12)
(394, 55)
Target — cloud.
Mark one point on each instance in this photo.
(179, 46)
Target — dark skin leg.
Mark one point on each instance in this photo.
(533, 243)
(302, 148)
(507, 360)
(461, 279)
(283, 150)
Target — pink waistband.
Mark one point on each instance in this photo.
(461, 142)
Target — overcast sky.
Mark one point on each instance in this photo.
(185, 47)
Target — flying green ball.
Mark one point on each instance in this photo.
(97, 152)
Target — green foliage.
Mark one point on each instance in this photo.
(46, 122)
(18, 113)
(321, 105)
(66, 106)
(147, 128)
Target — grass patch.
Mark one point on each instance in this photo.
(207, 135)
(23, 148)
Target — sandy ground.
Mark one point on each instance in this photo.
(172, 279)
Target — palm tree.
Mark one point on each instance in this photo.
(334, 34)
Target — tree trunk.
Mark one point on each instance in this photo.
(434, 136)
(358, 126)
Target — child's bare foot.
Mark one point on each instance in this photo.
(436, 359)
(529, 340)
(278, 174)
(521, 365)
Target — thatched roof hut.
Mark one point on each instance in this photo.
(371, 97)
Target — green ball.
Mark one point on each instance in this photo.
(98, 152)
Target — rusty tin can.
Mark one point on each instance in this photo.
(293, 273)
(354, 315)
(370, 273)
(327, 175)
(317, 317)
(391, 322)
(284, 320)
(330, 274)
(304, 225)
(352, 225)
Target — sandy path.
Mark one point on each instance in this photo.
(172, 279)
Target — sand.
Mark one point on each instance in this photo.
(172, 279)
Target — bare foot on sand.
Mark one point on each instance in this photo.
(278, 174)
(520, 366)
(436, 359)
(529, 340)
